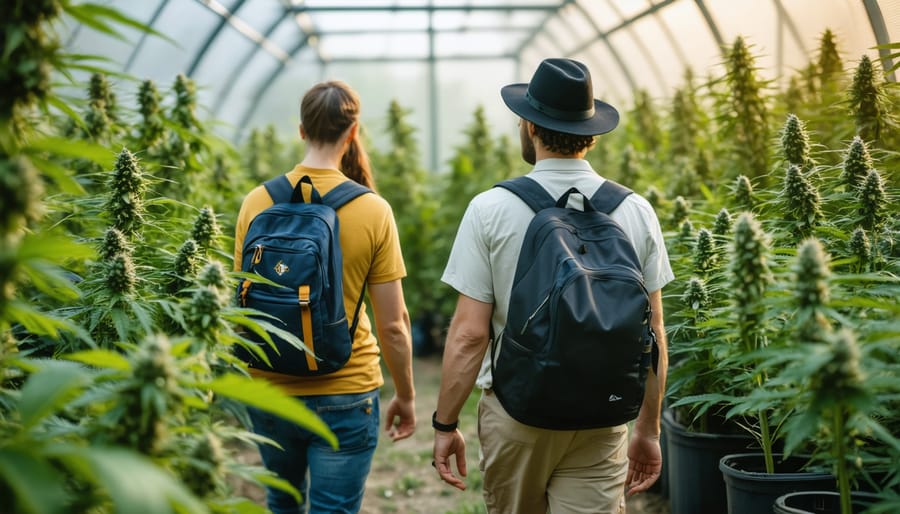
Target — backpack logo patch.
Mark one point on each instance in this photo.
(281, 268)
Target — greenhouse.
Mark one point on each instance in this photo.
(135, 134)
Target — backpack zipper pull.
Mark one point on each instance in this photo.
(245, 288)
(257, 254)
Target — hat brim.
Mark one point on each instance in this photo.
(605, 117)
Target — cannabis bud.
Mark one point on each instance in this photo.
(120, 275)
(695, 296)
(213, 275)
(653, 196)
(206, 228)
(705, 255)
(21, 189)
(811, 273)
(861, 248)
(841, 377)
(187, 262)
(127, 186)
(795, 142)
(857, 164)
(205, 466)
(203, 310)
(114, 243)
(722, 224)
(872, 201)
(686, 230)
(800, 200)
(743, 193)
(680, 211)
(864, 100)
(750, 272)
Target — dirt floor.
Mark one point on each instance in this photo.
(402, 480)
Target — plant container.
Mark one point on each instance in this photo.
(751, 490)
(821, 502)
(694, 482)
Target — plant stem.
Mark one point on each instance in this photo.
(840, 455)
(766, 440)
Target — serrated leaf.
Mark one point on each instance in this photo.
(269, 398)
(132, 482)
(100, 359)
(35, 485)
(47, 390)
(63, 147)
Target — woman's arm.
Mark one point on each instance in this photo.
(392, 325)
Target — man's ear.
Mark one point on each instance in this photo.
(302, 132)
(530, 127)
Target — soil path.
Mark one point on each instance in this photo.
(402, 480)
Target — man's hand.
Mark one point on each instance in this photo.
(400, 419)
(644, 463)
(447, 444)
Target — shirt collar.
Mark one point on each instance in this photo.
(563, 165)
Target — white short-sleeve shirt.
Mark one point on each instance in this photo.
(483, 259)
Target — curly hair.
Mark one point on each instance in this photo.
(559, 142)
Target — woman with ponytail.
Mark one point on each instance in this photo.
(347, 400)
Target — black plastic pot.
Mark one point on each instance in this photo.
(751, 490)
(692, 460)
(821, 502)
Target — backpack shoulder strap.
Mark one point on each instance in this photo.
(609, 196)
(530, 192)
(279, 189)
(343, 193)
(339, 196)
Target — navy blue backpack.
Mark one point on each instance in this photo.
(577, 344)
(295, 244)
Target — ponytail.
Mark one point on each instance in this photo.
(355, 164)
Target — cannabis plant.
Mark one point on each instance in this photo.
(868, 101)
(745, 112)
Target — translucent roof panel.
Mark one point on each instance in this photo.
(252, 59)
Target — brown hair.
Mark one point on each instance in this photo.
(559, 142)
(326, 112)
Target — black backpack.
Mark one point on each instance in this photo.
(577, 344)
(296, 244)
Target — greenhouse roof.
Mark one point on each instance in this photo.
(252, 59)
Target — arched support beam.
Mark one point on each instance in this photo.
(879, 28)
(143, 37)
(713, 28)
(201, 52)
(242, 65)
(266, 84)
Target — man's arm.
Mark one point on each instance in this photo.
(467, 341)
(392, 323)
(644, 455)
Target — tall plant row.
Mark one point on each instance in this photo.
(784, 321)
(116, 313)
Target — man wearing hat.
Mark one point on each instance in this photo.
(528, 469)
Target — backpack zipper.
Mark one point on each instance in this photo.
(535, 313)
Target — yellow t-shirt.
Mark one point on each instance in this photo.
(371, 253)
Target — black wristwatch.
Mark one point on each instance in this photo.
(440, 427)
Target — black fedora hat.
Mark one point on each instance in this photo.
(560, 97)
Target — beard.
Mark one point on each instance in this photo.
(528, 153)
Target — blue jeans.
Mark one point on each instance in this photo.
(330, 480)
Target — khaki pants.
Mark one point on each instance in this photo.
(530, 470)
